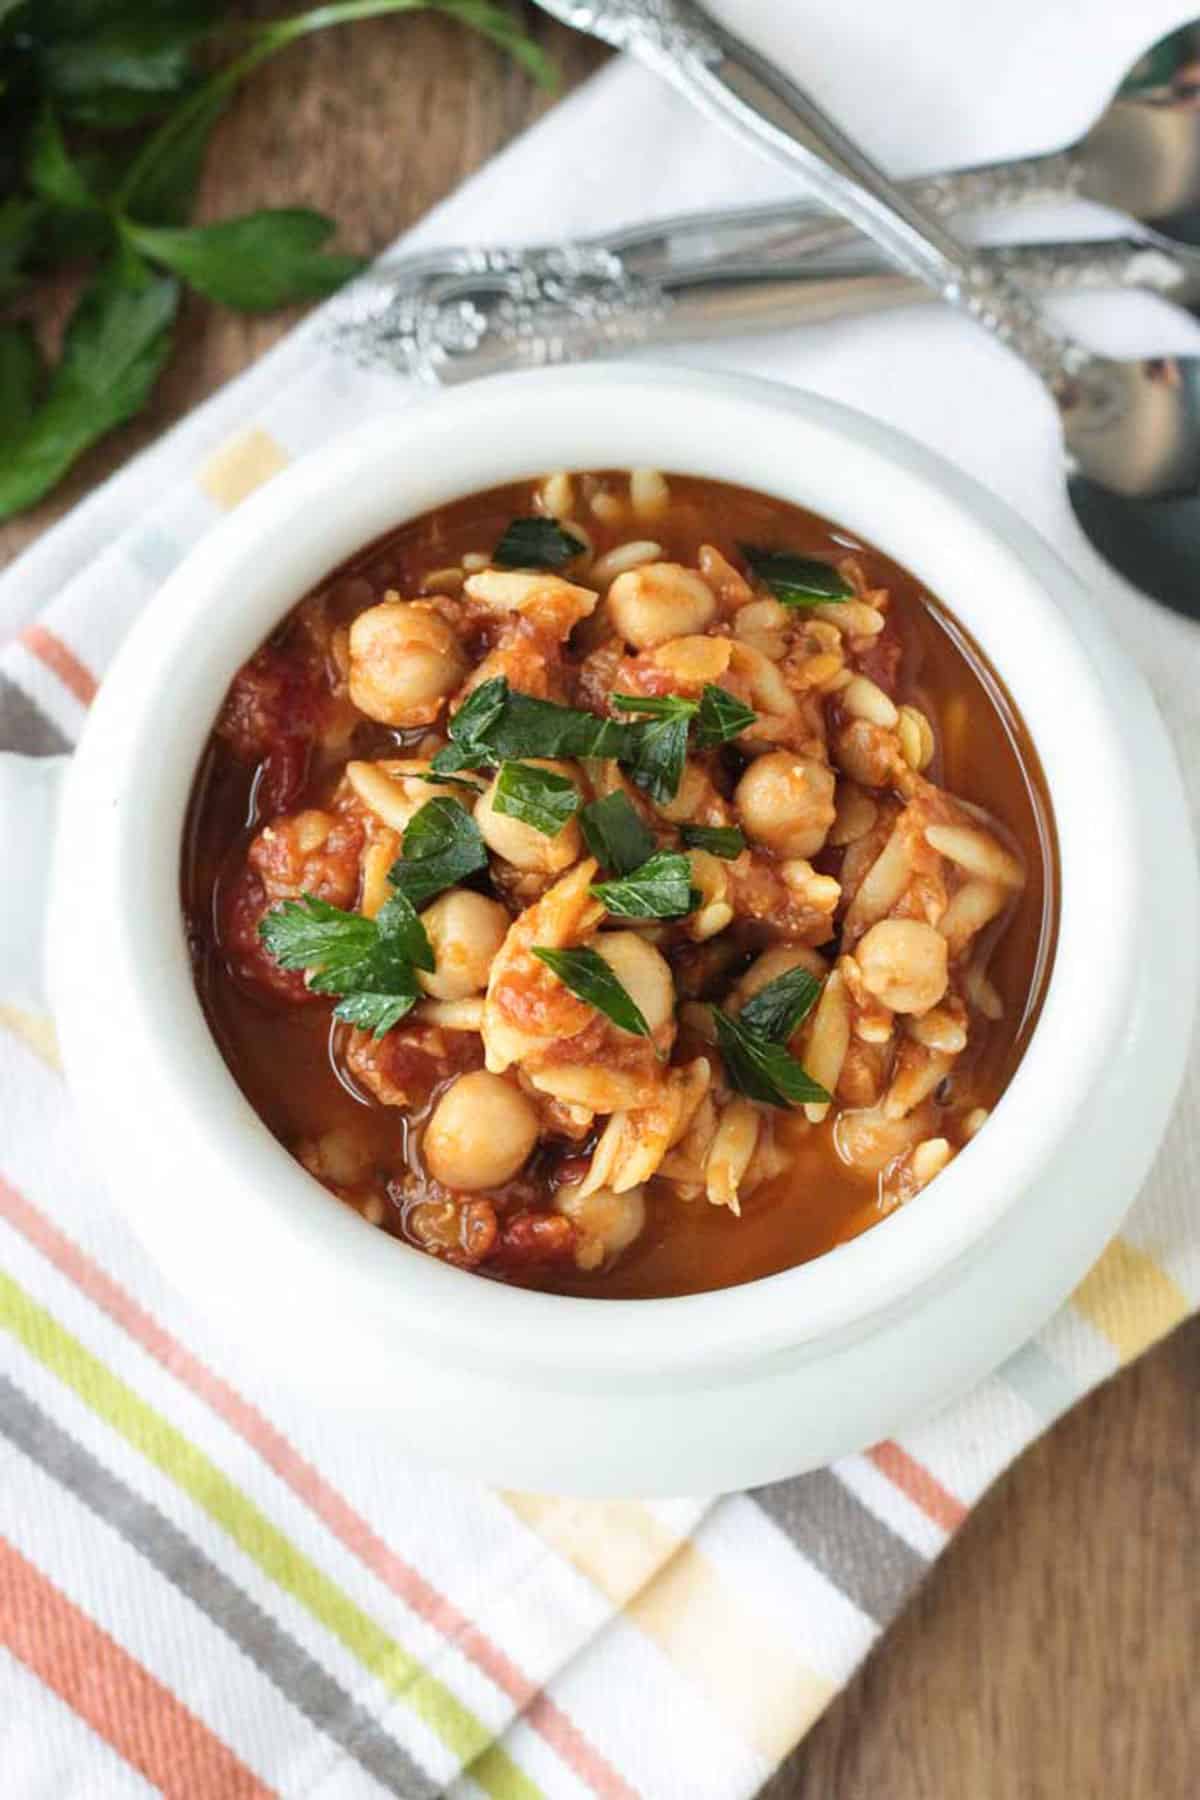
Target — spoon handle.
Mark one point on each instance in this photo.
(732, 83)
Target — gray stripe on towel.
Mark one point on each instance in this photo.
(24, 727)
(839, 1535)
(278, 1656)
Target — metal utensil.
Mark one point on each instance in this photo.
(475, 312)
(1141, 158)
(1132, 427)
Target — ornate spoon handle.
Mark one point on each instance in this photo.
(733, 84)
(477, 312)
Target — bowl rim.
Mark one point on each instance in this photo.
(173, 670)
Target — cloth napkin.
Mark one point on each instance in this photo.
(210, 1587)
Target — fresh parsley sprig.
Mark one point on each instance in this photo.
(372, 963)
(753, 1044)
(725, 841)
(365, 961)
(797, 580)
(442, 846)
(616, 836)
(108, 109)
(760, 1069)
(779, 1009)
(537, 543)
(497, 724)
(589, 977)
(537, 797)
(660, 889)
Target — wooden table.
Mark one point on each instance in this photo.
(1053, 1651)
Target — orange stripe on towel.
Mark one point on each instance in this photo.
(346, 1524)
(119, 1698)
(915, 1481)
(61, 661)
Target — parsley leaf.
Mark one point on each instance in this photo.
(615, 834)
(496, 724)
(721, 717)
(538, 797)
(588, 976)
(312, 934)
(779, 1008)
(660, 889)
(536, 543)
(761, 1069)
(658, 706)
(659, 751)
(116, 344)
(796, 580)
(725, 841)
(441, 846)
(261, 260)
(660, 746)
(20, 374)
(397, 919)
(364, 961)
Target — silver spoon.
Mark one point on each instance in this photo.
(469, 312)
(1141, 158)
(1132, 427)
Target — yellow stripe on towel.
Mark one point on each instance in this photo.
(1130, 1299)
(241, 464)
(677, 1597)
(35, 1030)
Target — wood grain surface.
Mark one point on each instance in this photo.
(1053, 1651)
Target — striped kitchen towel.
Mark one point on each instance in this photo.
(211, 1589)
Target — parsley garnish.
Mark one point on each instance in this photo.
(660, 889)
(779, 1008)
(496, 724)
(589, 977)
(536, 544)
(721, 717)
(368, 962)
(538, 797)
(615, 834)
(761, 1069)
(441, 847)
(796, 580)
(725, 841)
(372, 963)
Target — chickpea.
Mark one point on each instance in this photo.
(523, 845)
(607, 1223)
(404, 661)
(642, 971)
(482, 1130)
(786, 803)
(903, 963)
(465, 931)
(660, 601)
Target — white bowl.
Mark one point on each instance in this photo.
(697, 1393)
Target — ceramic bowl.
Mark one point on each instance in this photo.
(700, 1393)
